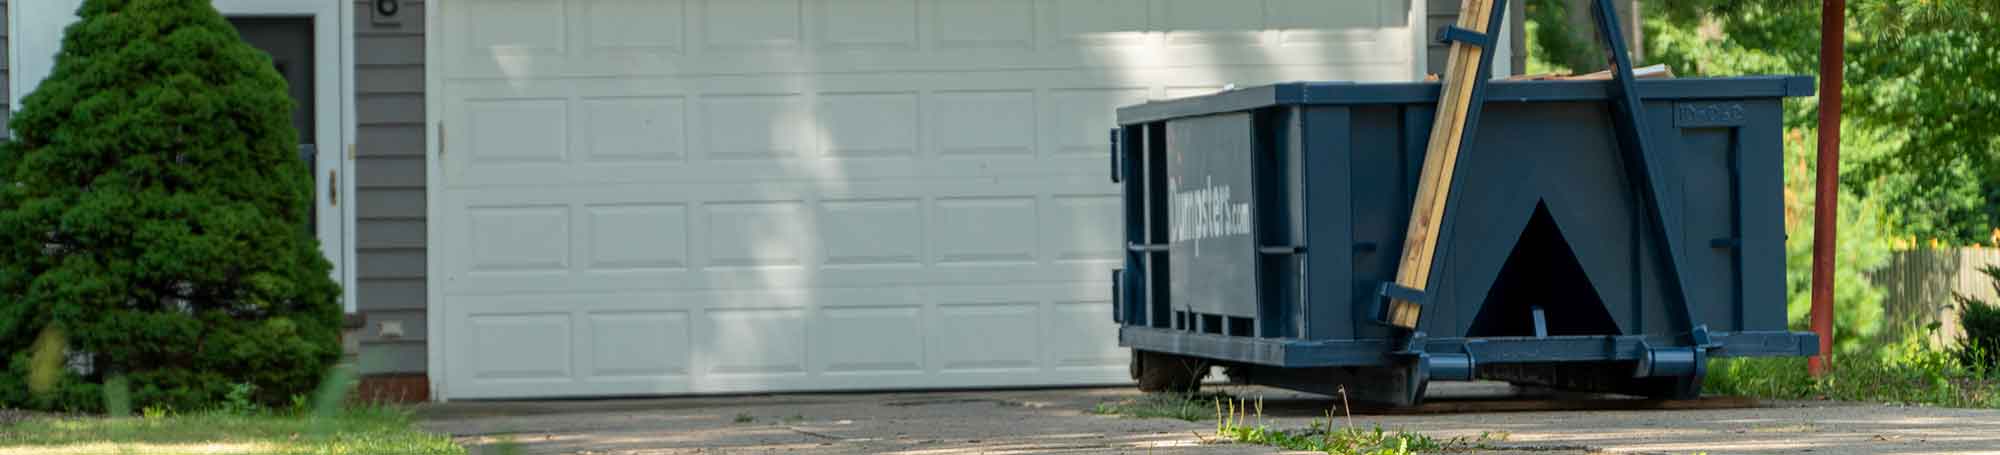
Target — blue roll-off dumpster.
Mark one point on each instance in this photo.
(1261, 223)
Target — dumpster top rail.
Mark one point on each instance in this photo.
(1336, 93)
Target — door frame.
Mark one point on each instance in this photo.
(434, 323)
(334, 126)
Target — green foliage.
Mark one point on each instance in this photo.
(152, 211)
(1860, 249)
(1554, 46)
(1981, 321)
(1922, 97)
(1912, 373)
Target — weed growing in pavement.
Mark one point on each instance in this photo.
(1190, 407)
(744, 417)
(1234, 419)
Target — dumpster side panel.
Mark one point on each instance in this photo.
(1209, 167)
(1385, 163)
(1761, 204)
(1708, 158)
(1558, 158)
(1731, 201)
(1381, 204)
(1329, 228)
(1280, 223)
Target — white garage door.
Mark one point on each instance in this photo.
(654, 196)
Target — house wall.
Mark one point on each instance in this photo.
(389, 186)
(1445, 12)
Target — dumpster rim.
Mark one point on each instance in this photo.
(1297, 353)
(1364, 93)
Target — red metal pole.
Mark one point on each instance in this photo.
(1826, 200)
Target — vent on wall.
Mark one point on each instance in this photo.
(386, 12)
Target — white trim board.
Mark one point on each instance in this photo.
(433, 179)
(36, 36)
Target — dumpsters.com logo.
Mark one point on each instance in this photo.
(1206, 212)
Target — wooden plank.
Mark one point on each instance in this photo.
(1440, 160)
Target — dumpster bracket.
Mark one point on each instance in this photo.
(1645, 167)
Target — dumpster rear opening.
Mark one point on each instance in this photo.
(1261, 223)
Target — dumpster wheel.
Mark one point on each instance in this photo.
(1162, 372)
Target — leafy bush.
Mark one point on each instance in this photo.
(1981, 321)
(152, 214)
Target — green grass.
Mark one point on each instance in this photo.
(370, 430)
(1913, 375)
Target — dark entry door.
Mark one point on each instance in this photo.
(289, 41)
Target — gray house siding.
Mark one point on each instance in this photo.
(1440, 13)
(389, 187)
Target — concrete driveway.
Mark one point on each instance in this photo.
(1060, 420)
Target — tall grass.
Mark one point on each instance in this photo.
(1910, 374)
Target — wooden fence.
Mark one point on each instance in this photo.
(1919, 285)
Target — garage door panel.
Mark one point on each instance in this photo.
(754, 126)
(710, 196)
(864, 25)
(1082, 161)
(1083, 228)
(871, 233)
(739, 278)
(873, 125)
(524, 239)
(757, 340)
(1081, 337)
(638, 27)
(965, 123)
(737, 37)
(752, 25)
(613, 238)
(579, 345)
(646, 345)
(987, 336)
(1076, 120)
(1340, 50)
(984, 230)
(869, 340)
(517, 130)
(756, 234)
(520, 346)
(620, 130)
(753, 342)
(634, 237)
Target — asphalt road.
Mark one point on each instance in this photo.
(1061, 421)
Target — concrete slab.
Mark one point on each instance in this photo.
(1061, 421)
